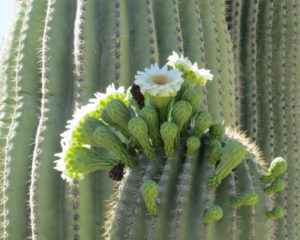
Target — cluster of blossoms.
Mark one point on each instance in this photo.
(159, 86)
(162, 110)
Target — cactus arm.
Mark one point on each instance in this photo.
(277, 96)
(8, 72)
(167, 184)
(86, 51)
(180, 227)
(291, 155)
(44, 193)
(122, 203)
(244, 177)
(225, 228)
(22, 131)
(7, 86)
(168, 28)
(87, 56)
(206, 198)
(260, 222)
(295, 7)
(235, 24)
(248, 59)
(143, 30)
(265, 134)
(152, 223)
(212, 58)
(296, 89)
(121, 48)
(226, 64)
(109, 44)
(138, 215)
(234, 219)
(191, 24)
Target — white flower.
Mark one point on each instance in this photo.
(177, 61)
(159, 82)
(202, 73)
(79, 114)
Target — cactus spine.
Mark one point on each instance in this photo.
(58, 53)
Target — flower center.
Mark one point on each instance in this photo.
(159, 79)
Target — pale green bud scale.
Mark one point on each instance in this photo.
(138, 128)
(150, 191)
(168, 131)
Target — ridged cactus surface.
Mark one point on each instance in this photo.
(58, 53)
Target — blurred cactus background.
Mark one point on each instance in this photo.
(58, 53)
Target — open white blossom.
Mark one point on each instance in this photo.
(159, 82)
(202, 72)
(175, 60)
(79, 114)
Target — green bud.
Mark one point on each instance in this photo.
(117, 114)
(278, 167)
(216, 152)
(213, 213)
(233, 154)
(276, 186)
(216, 130)
(138, 128)
(81, 161)
(168, 131)
(246, 199)
(275, 213)
(182, 112)
(202, 122)
(161, 104)
(104, 137)
(150, 115)
(87, 130)
(192, 143)
(194, 97)
(150, 192)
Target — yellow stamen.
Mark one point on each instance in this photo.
(159, 79)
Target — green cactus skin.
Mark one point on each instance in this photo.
(9, 55)
(21, 131)
(86, 54)
(88, 44)
(55, 94)
(182, 201)
(235, 28)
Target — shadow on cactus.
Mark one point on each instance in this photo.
(182, 172)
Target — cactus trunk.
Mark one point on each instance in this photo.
(58, 53)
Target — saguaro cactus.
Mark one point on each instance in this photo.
(58, 53)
